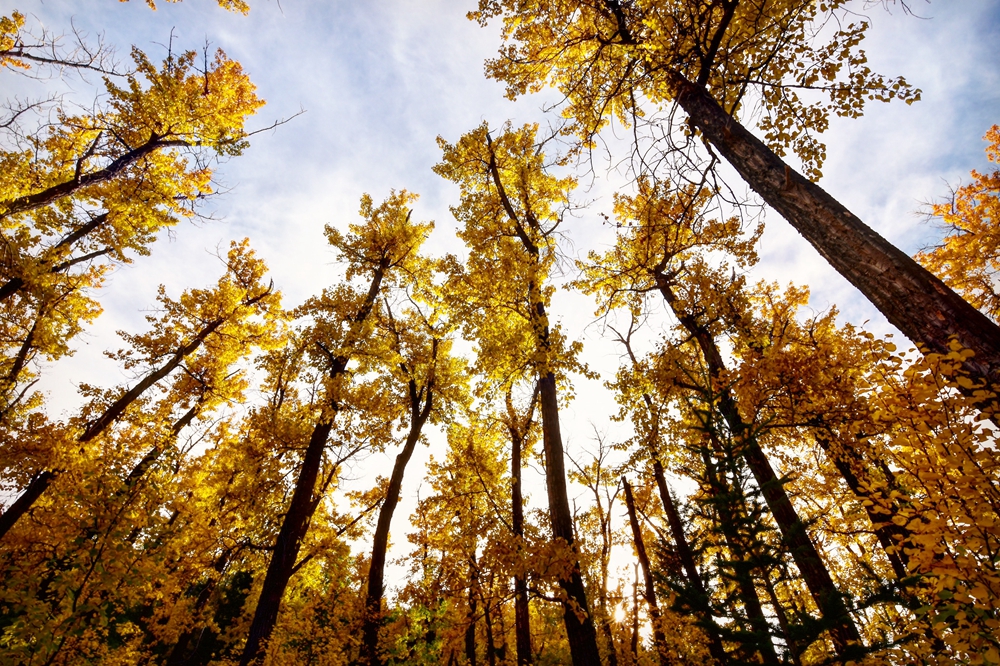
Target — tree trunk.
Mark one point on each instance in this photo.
(911, 298)
(635, 618)
(793, 532)
(659, 639)
(522, 617)
(286, 546)
(373, 599)
(491, 651)
(470, 631)
(579, 627)
(300, 510)
(580, 630)
(890, 535)
(701, 600)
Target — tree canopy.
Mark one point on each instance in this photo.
(783, 485)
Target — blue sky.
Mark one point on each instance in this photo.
(380, 80)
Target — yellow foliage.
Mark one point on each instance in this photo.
(968, 258)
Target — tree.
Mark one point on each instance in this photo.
(74, 533)
(520, 428)
(419, 359)
(89, 190)
(597, 535)
(385, 250)
(187, 325)
(608, 56)
(510, 210)
(659, 253)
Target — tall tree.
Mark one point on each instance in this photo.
(519, 426)
(716, 62)
(510, 210)
(419, 362)
(661, 253)
(649, 589)
(91, 190)
(383, 249)
(187, 325)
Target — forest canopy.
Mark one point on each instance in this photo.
(578, 421)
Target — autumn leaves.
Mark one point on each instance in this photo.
(796, 491)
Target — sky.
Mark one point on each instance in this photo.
(378, 81)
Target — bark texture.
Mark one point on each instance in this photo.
(913, 300)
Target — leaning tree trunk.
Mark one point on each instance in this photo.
(793, 531)
(286, 546)
(779, 612)
(649, 591)
(913, 300)
(300, 509)
(376, 572)
(891, 536)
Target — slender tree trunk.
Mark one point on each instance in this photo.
(491, 652)
(890, 535)
(635, 617)
(695, 582)
(699, 594)
(793, 532)
(609, 637)
(604, 560)
(522, 617)
(373, 599)
(659, 639)
(154, 454)
(911, 298)
(470, 631)
(802, 549)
